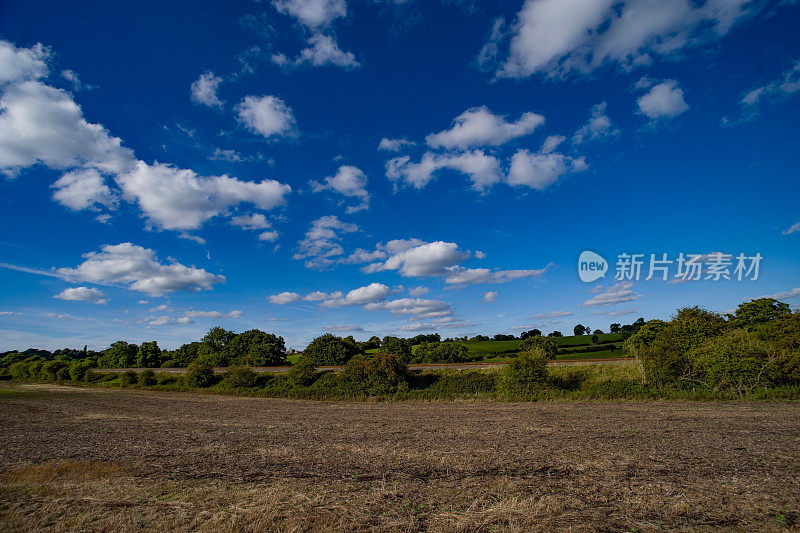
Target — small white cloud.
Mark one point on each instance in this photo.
(482, 169)
(538, 171)
(551, 143)
(268, 116)
(794, 228)
(418, 291)
(321, 242)
(83, 189)
(284, 298)
(268, 236)
(251, 222)
(349, 181)
(551, 314)
(420, 260)
(416, 307)
(204, 90)
(394, 145)
(490, 297)
(471, 276)
(212, 314)
(664, 100)
(312, 14)
(324, 50)
(793, 293)
(479, 127)
(82, 294)
(598, 126)
(374, 292)
(617, 293)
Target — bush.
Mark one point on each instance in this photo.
(146, 378)
(785, 370)
(20, 370)
(240, 377)
(164, 378)
(79, 369)
(51, 369)
(439, 352)
(129, 378)
(377, 375)
(329, 349)
(199, 374)
(736, 361)
(548, 345)
(63, 374)
(303, 373)
(525, 373)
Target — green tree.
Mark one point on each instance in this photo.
(614, 328)
(119, 355)
(401, 348)
(525, 373)
(256, 348)
(757, 312)
(579, 329)
(200, 373)
(149, 355)
(548, 346)
(303, 373)
(328, 349)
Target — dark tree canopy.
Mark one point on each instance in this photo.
(329, 349)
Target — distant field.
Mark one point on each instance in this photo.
(126, 460)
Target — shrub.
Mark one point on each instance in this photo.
(329, 349)
(785, 370)
(525, 373)
(50, 370)
(240, 377)
(382, 373)
(164, 378)
(400, 348)
(63, 374)
(20, 370)
(303, 373)
(79, 369)
(736, 361)
(199, 374)
(170, 363)
(439, 352)
(146, 378)
(129, 378)
(547, 345)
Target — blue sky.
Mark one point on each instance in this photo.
(374, 168)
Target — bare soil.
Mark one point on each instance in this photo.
(80, 459)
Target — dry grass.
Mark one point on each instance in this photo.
(134, 460)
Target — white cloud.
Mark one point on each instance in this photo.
(557, 37)
(348, 181)
(83, 189)
(138, 267)
(478, 127)
(418, 291)
(374, 292)
(471, 276)
(204, 90)
(321, 241)
(345, 328)
(784, 86)
(794, 228)
(268, 236)
(551, 143)
(617, 293)
(416, 307)
(482, 169)
(490, 296)
(312, 13)
(284, 298)
(793, 293)
(174, 198)
(539, 170)
(664, 100)
(22, 64)
(318, 296)
(551, 314)
(82, 294)
(251, 222)
(419, 260)
(213, 314)
(41, 124)
(268, 116)
(394, 145)
(598, 126)
(166, 321)
(324, 50)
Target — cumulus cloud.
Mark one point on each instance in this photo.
(471, 276)
(664, 100)
(22, 64)
(418, 308)
(349, 181)
(394, 145)
(204, 90)
(284, 298)
(598, 126)
(250, 222)
(321, 241)
(490, 296)
(43, 125)
(551, 143)
(419, 260)
(268, 116)
(418, 291)
(174, 198)
(83, 189)
(166, 321)
(312, 14)
(482, 169)
(140, 269)
(82, 294)
(213, 314)
(617, 293)
(374, 292)
(556, 37)
(540, 170)
(478, 127)
(324, 50)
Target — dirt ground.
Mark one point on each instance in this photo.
(87, 459)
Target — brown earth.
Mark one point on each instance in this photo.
(78, 459)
